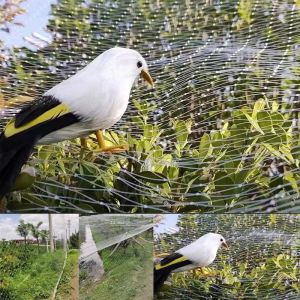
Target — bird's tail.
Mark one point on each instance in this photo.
(12, 157)
(160, 276)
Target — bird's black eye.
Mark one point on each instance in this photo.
(139, 64)
(221, 240)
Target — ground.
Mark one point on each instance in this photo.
(128, 274)
(37, 271)
(68, 288)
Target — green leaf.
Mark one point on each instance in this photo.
(217, 141)
(287, 152)
(224, 184)
(273, 150)
(277, 118)
(253, 122)
(258, 107)
(23, 181)
(153, 177)
(264, 121)
(275, 106)
(204, 145)
(86, 207)
(61, 165)
(182, 130)
(289, 176)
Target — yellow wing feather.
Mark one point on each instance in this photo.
(175, 261)
(52, 113)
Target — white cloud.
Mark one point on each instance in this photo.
(8, 228)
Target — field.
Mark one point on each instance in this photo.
(128, 274)
(24, 267)
(31, 274)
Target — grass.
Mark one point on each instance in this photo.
(68, 287)
(128, 274)
(37, 280)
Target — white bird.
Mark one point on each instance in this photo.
(199, 253)
(94, 99)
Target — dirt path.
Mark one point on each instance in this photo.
(144, 280)
(75, 285)
(144, 285)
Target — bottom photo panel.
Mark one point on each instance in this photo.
(149, 256)
(116, 257)
(227, 257)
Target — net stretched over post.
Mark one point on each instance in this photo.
(119, 248)
(90, 261)
(262, 261)
(220, 131)
(108, 230)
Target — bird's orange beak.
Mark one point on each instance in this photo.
(145, 74)
(225, 245)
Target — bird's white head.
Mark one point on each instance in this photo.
(122, 63)
(215, 239)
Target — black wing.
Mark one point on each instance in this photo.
(173, 261)
(35, 109)
(31, 123)
(170, 258)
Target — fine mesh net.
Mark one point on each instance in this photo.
(262, 261)
(116, 257)
(218, 133)
(90, 261)
(108, 230)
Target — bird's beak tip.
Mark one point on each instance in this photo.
(225, 245)
(145, 74)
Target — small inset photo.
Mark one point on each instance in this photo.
(116, 257)
(39, 257)
(227, 257)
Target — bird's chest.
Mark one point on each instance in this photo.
(109, 110)
(206, 258)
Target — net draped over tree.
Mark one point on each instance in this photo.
(220, 131)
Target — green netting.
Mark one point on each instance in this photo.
(262, 261)
(220, 131)
(117, 262)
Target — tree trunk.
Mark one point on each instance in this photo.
(51, 233)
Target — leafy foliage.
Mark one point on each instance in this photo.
(221, 171)
(74, 241)
(23, 266)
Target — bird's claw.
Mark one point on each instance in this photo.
(113, 149)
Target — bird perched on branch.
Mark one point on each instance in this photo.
(92, 100)
(199, 253)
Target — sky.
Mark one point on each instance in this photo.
(167, 225)
(34, 19)
(9, 223)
